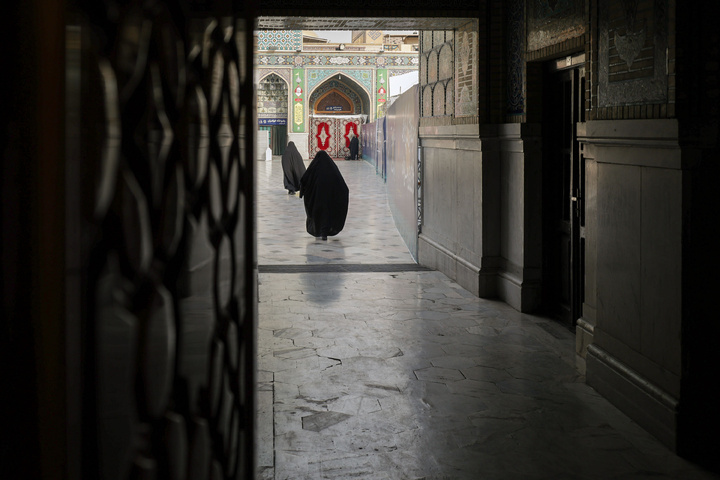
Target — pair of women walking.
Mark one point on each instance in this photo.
(321, 186)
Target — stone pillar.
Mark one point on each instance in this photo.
(520, 216)
(459, 233)
(301, 142)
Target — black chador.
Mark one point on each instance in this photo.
(293, 168)
(354, 147)
(326, 197)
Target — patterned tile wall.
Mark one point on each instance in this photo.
(340, 60)
(549, 23)
(341, 87)
(319, 68)
(368, 36)
(633, 37)
(316, 76)
(272, 97)
(466, 53)
(437, 73)
(279, 40)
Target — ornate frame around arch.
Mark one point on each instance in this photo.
(287, 99)
(334, 90)
(366, 99)
(284, 73)
(349, 74)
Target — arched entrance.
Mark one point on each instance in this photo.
(339, 107)
(272, 112)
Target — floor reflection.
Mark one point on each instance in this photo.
(405, 375)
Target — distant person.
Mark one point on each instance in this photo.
(325, 193)
(354, 147)
(293, 168)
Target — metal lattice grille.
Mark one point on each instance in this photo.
(169, 244)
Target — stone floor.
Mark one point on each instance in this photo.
(371, 368)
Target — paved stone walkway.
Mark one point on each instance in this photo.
(403, 374)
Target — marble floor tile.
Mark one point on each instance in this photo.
(405, 375)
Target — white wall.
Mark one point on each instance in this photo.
(402, 83)
(263, 140)
(301, 142)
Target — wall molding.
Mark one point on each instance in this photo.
(651, 407)
(658, 137)
(478, 280)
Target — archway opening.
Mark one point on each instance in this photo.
(272, 112)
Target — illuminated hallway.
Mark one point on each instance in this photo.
(371, 367)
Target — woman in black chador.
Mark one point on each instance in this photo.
(354, 147)
(293, 168)
(326, 197)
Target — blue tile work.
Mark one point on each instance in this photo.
(279, 40)
(340, 60)
(334, 84)
(316, 76)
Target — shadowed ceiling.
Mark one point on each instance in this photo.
(385, 23)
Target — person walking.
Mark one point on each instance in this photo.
(293, 168)
(326, 195)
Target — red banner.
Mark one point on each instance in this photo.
(332, 135)
(350, 127)
(323, 136)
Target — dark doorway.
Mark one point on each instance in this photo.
(278, 139)
(563, 190)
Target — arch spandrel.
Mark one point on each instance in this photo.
(359, 96)
(346, 79)
(284, 73)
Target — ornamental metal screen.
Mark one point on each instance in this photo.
(165, 227)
